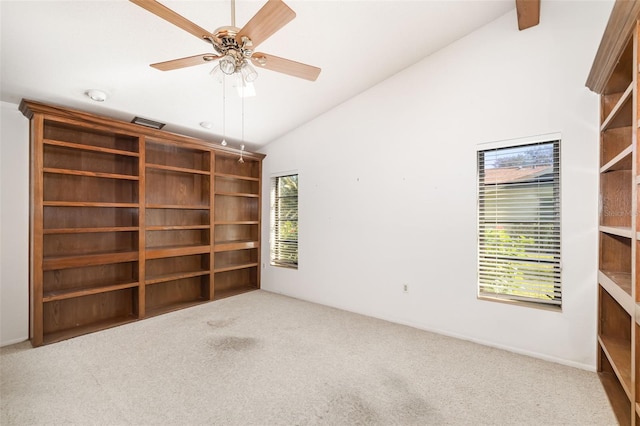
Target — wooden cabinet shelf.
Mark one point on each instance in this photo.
(65, 334)
(160, 310)
(235, 267)
(234, 245)
(622, 161)
(85, 291)
(237, 194)
(237, 222)
(83, 147)
(174, 276)
(160, 252)
(88, 204)
(620, 115)
(177, 169)
(64, 262)
(90, 174)
(131, 222)
(238, 177)
(177, 206)
(176, 227)
(618, 285)
(229, 292)
(618, 351)
(619, 400)
(620, 231)
(89, 230)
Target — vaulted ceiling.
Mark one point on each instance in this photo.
(54, 51)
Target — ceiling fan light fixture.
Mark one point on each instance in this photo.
(216, 73)
(228, 64)
(249, 73)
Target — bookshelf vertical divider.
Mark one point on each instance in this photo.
(142, 287)
(124, 221)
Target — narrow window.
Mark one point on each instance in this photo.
(284, 221)
(519, 223)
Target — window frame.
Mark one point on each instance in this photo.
(555, 302)
(275, 243)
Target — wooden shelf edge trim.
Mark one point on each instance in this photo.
(176, 169)
(617, 159)
(159, 310)
(234, 245)
(69, 294)
(66, 262)
(162, 252)
(84, 147)
(52, 231)
(173, 277)
(222, 294)
(236, 267)
(88, 204)
(626, 97)
(620, 295)
(89, 174)
(620, 231)
(238, 177)
(237, 194)
(176, 207)
(237, 222)
(176, 227)
(58, 336)
(611, 347)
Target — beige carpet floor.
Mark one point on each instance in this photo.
(265, 359)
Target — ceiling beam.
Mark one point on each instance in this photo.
(528, 13)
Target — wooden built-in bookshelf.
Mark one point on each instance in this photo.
(614, 76)
(129, 222)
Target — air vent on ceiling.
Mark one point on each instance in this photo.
(148, 123)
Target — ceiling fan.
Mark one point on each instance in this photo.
(234, 47)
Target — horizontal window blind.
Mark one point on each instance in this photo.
(519, 223)
(284, 221)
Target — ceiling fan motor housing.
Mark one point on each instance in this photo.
(226, 45)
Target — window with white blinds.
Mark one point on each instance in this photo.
(519, 223)
(284, 221)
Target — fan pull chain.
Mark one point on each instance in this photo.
(224, 108)
(241, 160)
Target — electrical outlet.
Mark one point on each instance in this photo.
(405, 288)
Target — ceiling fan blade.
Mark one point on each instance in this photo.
(174, 18)
(273, 16)
(285, 66)
(185, 62)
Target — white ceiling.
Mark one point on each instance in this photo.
(53, 51)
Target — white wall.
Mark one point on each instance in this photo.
(14, 225)
(388, 185)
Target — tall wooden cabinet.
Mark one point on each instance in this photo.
(129, 222)
(614, 76)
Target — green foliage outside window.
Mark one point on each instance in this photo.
(518, 266)
(284, 228)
